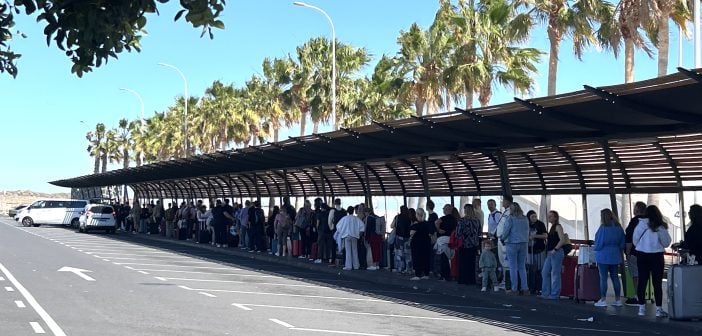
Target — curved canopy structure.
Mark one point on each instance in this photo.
(642, 137)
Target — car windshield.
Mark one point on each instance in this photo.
(101, 210)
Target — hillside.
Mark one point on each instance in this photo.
(9, 199)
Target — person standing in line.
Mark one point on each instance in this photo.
(501, 248)
(630, 251)
(537, 251)
(551, 273)
(420, 244)
(289, 208)
(432, 217)
(515, 236)
(335, 215)
(401, 224)
(303, 223)
(244, 225)
(282, 225)
(159, 213)
(169, 216)
(324, 235)
(256, 228)
(219, 219)
(349, 230)
(479, 214)
(609, 244)
(488, 264)
(468, 230)
(270, 228)
(693, 235)
(651, 238)
(144, 219)
(444, 227)
(202, 222)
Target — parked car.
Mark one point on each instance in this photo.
(52, 212)
(13, 212)
(97, 217)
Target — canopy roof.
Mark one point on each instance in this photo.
(639, 137)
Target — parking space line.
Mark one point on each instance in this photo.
(283, 294)
(336, 332)
(208, 295)
(2, 279)
(212, 273)
(449, 319)
(185, 259)
(242, 307)
(244, 282)
(142, 272)
(20, 304)
(284, 324)
(53, 326)
(162, 265)
(37, 328)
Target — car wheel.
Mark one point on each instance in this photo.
(85, 229)
(27, 221)
(75, 223)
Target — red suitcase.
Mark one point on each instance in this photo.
(568, 276)
(296, 247)
(313, 251)
(587, 283)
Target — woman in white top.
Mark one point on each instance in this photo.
(651, 238)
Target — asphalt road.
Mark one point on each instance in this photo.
(138, 287)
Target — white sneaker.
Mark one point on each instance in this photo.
(601, 303)
(415, 278)
(642, 310)
(277, 254)
(426, 277)
(372, 268)
(496, 289)
(346, 268)
(318, 261)
(484, 289)
(617, 303)
(660, 312)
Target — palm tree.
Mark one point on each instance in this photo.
(112, 152)
(677, 11)
(137, 143)
(124, 141)
(575, 19)
(95, 144)
(634, 14)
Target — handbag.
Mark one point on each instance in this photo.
(567, 246)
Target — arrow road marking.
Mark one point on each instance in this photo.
(79, 272)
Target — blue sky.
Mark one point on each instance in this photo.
(43, 138)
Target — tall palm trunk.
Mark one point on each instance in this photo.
(96, 167)
(663, 45)
(485, 93)
(315, 126)
(470, 94)
(555, 46)
(125, 158)
(628, 60)
(276, 130)
(303, 123)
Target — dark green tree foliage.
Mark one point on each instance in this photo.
(91, 32)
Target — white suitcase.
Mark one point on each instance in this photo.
(685, 292)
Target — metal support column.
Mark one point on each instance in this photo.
(324, 187)
(586, 230)
(504, 173)
(681, 203)
(425, 179)
(610, 177)
(369, 194)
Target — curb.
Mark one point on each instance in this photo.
(432, 286)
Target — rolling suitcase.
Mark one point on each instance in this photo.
(587, 283)
(685, 292)
(274, 246)
(362, 260)
(568, 276)
(296, 245)
(534, 268)
(313, 251)
(203, 236)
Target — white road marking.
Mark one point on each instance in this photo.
(244, 282)
(284, 324)
(37, 328)
(207, 267)
(242, 307)
(336, 332)
(2, 279)
(355, 313)
(53, 326)
(208, 295)
(122, 253)
(136, 255)
(9, 289)
(151, 259)
(108, 260)
(283, 294)
(212, 273)
(160, 278)
(20, 304)
(77, 271)
(142, 272)
(574, 328)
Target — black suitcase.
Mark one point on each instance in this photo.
(203, 235)
(362, 261)
(232, 240)
(153, 228)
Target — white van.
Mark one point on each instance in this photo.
(52, 212)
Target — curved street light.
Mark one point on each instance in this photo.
(185, 114)
(333, 32)
(141, 103)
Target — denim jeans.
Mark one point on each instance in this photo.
(613, 271)
(516, 258)
(403, 256)
(244, 236)
(551, 274)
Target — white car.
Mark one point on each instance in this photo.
(51, 211)
(97, 217)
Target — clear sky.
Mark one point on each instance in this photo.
(43, 138)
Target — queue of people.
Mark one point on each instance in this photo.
(518, 254)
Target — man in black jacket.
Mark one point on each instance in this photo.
(256, 227)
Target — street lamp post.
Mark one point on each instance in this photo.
(185, 114)
(333, 43)
(141, 102)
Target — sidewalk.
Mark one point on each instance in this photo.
(566, 308)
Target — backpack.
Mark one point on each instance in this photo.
(301, 220)
(380, 226)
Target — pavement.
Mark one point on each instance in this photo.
(128, 284)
